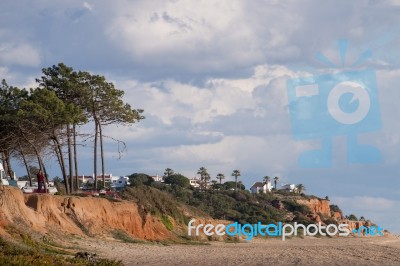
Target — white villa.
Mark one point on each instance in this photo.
(157, 178)
(194, 182)
(289, 187)
(261, 186)
(116, 182)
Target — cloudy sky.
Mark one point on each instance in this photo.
(211, 77)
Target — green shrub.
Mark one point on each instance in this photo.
(335, 208)
(293, 206)
(124, 237)
(138, 179)
(152, 200)
(167, 222)
(177, 179)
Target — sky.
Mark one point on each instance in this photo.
(212, 78)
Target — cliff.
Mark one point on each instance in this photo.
(78, 215)
(320, 210)
(317, 206)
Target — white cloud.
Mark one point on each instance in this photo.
(4, 73)
(218, 97)
(200, 35)
(22, 54)
(379, 210)
(87, 6)
(246, 153)
(366, 203)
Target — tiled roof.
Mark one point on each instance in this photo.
(258, 184)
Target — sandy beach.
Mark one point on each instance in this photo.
(297, 251)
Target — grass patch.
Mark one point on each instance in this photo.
(27, 251)
(167, 222)
(22, 249)
(124, 237)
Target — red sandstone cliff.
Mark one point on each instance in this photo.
(76, 215)
(320, 209)
(317, 206)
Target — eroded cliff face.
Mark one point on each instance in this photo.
(317, 206)
(320, 209)
(357, 224)
(79, 215)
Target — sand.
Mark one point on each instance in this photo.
(296, 251)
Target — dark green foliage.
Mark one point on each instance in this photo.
(238, 206)
(181, 194)
(284, 192)
(352, 217)
(152, 200)
(293, 206)
(26, 251)
(138, 179)
(301, 218)
(177, 179)
(231, 185)
(335, 208)
(265, 197)
(167, 222)
(220, 202)
(124, 237)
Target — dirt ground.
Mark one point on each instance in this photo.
(296, 251)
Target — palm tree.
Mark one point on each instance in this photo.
(267, 181)
(300, 188)
(220, 177)
(276, 179)
(236, 173)
(204, 176)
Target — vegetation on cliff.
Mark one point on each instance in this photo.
(221, 201)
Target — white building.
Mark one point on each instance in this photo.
(261, 186)
(117, 182)
(289, 187)
(194, 182)
(157, 178)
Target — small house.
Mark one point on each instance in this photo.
(261, 186)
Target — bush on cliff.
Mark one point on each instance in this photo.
(138, 179)
(335, 208)
(221, 203)
(154, 201)
(177, 179)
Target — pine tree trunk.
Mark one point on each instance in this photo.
(25, 163)
(62, 163)
(75, 158)
(95, 154)
(7, 166)
(70, 161)
(102, 156)
(46, 176)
